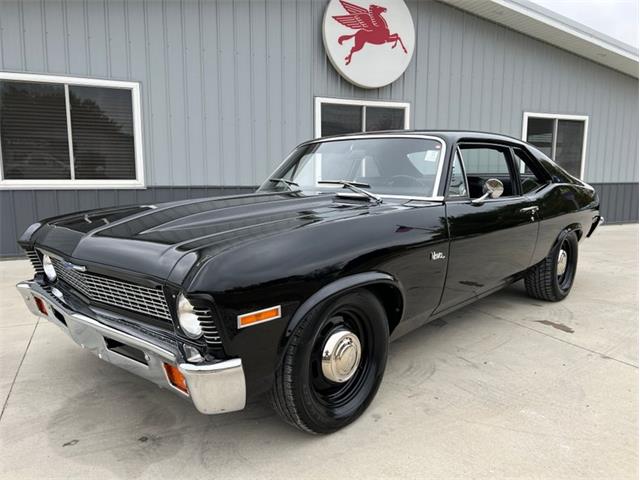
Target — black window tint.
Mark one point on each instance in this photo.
(569, 145)
(339, 119)
(102, 126)
(33, 131)
(540, 134)
(382, 118)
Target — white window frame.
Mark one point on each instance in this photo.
(359, 103)
(138, 182)
(560, 116)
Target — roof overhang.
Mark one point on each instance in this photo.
(538, 22)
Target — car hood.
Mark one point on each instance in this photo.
(165, 241)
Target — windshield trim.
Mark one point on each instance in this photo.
(441, 160)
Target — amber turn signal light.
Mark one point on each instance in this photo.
(259, 316)
(41, 306)
(176, 378)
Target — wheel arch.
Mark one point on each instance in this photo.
(574, 227)
(385, 287)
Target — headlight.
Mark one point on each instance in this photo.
(188, 319)
(49, 271)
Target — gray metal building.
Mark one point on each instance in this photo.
(116, 102)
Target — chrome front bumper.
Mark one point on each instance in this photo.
(212, 387)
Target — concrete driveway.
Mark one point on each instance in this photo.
(508, 387)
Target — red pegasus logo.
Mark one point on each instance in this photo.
(372, 27)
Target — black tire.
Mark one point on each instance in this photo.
(544, 281)
(302, 395)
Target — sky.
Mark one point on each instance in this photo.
(616, 18)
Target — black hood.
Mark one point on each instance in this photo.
(153, 239)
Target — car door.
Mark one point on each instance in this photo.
(490, 240)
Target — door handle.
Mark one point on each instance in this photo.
(533, 209)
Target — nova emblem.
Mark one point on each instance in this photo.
(437, 256)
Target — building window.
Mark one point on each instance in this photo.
(335, 116)
(58, 132)
(563, 138)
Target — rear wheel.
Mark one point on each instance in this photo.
(553, 278)
(333, 365)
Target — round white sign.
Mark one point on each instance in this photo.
(369, 44)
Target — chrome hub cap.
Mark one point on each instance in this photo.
(341, 356)
(562, 262)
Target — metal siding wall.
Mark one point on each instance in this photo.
(228, 86)
(21, 208)
(618, 201)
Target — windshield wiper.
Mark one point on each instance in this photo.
(354, 187)
(288, 183)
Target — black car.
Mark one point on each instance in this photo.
(297, 289)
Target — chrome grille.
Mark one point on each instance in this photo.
(136, 298)
(211, 334)
(34, 258)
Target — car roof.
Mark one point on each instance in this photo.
(447, 135)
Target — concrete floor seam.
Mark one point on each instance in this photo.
(15, 377)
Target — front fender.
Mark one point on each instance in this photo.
(334, 289)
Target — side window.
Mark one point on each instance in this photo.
(457, 184)
(484, 162)
(528, 180)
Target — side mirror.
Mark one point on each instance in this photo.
(492, 188)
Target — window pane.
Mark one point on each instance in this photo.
(528, 179)
(425, 162)
(386, 165)
(540, 134)
(457, 185)
(481, 164)
(338, 119)
(569, 145)
(381, 118)
(102, 126)
(33, 130)
(484, 161)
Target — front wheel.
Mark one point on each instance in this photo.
(553, 278)
(333, 365)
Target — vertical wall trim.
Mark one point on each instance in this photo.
(67, 106)
(219, 113)
(167, 77)
(203, 94)
(148, 91)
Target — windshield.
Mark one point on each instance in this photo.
(386, 166)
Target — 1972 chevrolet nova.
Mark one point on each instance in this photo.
(297, 289)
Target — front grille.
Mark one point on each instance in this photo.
(34, 258)
(211, 335)
(129, 296)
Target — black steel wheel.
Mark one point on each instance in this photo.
(334, 364)
(553, 278)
